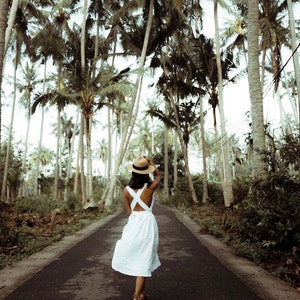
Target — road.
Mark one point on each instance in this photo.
(194, 267)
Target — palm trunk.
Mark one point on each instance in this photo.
(37, 167)
(21, 190)
(89, 174)
(175, 161)
(184, 148)
(67, 190)
(204, 156)
(57, 164)
(109, 146)
(166, 160)
(3, 24)
(9, 138)
(81, 159)
(258, 167)
(295, 56)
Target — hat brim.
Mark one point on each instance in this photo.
(149, 170)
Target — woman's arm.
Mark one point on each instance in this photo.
(126, 201)
(157, 176)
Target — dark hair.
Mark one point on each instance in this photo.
(137, 181)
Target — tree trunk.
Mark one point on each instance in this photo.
(21, 190)
(57, 164)
(9, 138)
(204, 156)
(184, 148)
(175, 164)
(295, 56)
(81, 159)
(166, 160)
(258, 167)
(3, 24)
(10, 22)
(89, 173)
(37, 167)
(67, 191)
(227, 187)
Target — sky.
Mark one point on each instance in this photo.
(236, 102)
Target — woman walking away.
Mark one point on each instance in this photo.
(136, 252)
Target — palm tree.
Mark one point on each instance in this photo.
(258, 167)
(21, 34)
(295, 54)
(227, 186)
(27, 86)
(3, 24)
(184, 119)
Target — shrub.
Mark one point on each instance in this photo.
(270, 215)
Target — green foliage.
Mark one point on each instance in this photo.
(42, 204)
(14, 167)
(215, 193)
(180, 194)
(270, 215)
(252, 251)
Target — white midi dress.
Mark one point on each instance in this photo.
(136, 252)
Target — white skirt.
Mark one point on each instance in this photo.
(136, 252)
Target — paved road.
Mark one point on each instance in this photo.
(189, 271)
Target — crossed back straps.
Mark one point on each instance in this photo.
(137, 199)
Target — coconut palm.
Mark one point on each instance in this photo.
(3, 24)
(227, 184)
(27, 86)
(21, 38)
(295, 54)
(186, 120)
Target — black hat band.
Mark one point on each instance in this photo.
(140, 168)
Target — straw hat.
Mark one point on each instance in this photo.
(141, 166)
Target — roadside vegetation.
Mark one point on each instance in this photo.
(263, 223)
(31, 224)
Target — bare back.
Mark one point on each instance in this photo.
(146, 196)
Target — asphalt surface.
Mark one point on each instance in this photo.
(194, 267)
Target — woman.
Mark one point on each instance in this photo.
(136, 252)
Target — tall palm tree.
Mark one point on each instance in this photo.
(184, 119)
(3, 24)
(27, 86)
(258, 167)
(227, 185)
(295, 54)
(21, 37)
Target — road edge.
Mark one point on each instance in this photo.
(17, 273)
(264, 284)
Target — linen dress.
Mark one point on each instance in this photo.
(136, 252)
